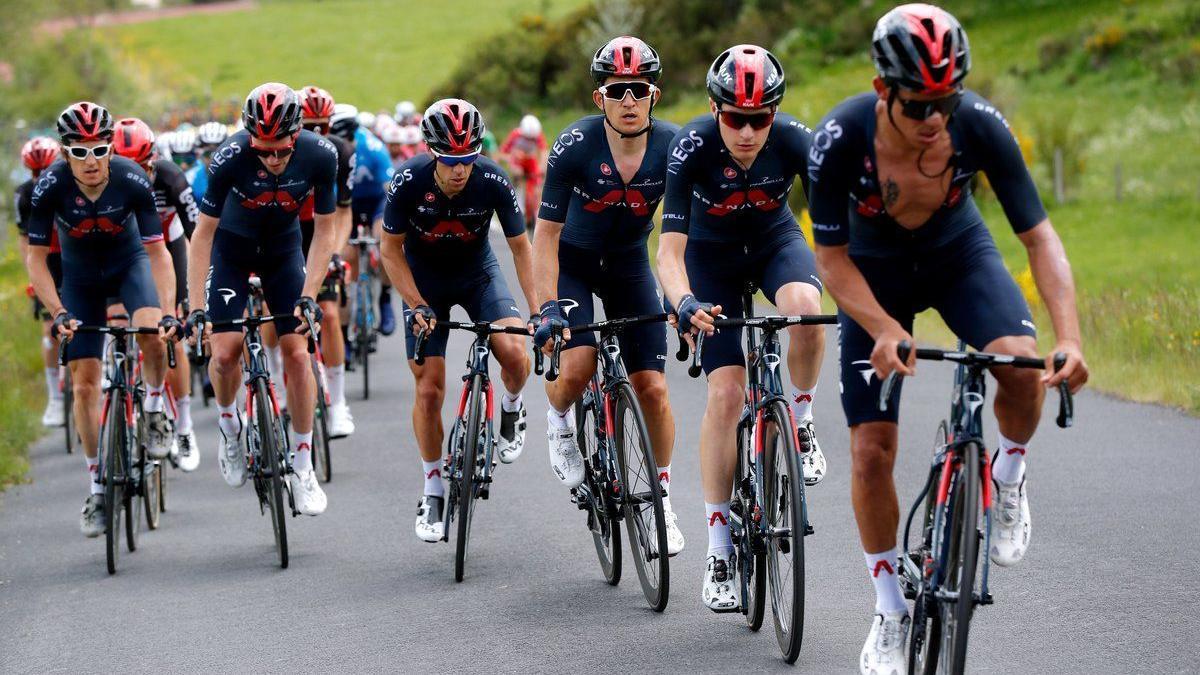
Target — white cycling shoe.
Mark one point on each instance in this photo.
(675, 540)
(160, 435)
(430, 526)
(1010, 516)
(92, 519)
(54, 415)
(885, 651)
(341, 422)
(310, 498)
(811, 457)
(188, 455)
(565, 457)
(511, 441)
(722, 590)
(231, 457)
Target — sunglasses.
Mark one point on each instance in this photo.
(737, 120)
(278, 153)
(455, 160)
(317, 127)
(617, 90)
(923, 110)
(82, 153)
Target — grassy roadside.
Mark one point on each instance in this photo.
(20, 372)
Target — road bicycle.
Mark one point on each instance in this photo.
(364, 322)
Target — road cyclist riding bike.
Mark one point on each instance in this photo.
(898, 232)
(436, 222)
(606, 176)
(726, 222)
(524, 152)
(102, 208)
(249, 223)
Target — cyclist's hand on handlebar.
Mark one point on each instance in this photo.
(1074, 371)
(697, 316)
(169, 329)
(306, 305)
(552, 322)
(64, 325)
(422, 318)
(197, 325)
(884, 358)
(535, 320)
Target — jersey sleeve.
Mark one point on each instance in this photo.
(21, 200)
(220, 177)
(797, 139)
(324, 178)
(829, 158)
(562, 172)
(40, 225)
(180, 195)
(394, 219)
(508, 209)
(145, 211)
(677, 193)
(345, 176)
(506, 146)
(1001, 160)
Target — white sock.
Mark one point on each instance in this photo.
(511, 402)
(154, 398)
(93, 469)
(336, 375)
(664, 480)
(882, 567)
(227, 419)
(303, 457)
(433, 478)
(183, 416)
(52, 385)
(719, 541)
(1010, 461)
(802, 403)
(560, 420)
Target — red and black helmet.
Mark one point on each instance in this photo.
(133, 139)
(453, 126)
(272, 112)
(85, 121)
(625, 56)
(40, 152)
(317, 103)
(921, 48)
(746, 76)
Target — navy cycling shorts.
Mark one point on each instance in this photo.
(279, 262)
(718, 274)
(366, 210)
(88, 299)
(964, 280)
(623, 281)
(479, 289)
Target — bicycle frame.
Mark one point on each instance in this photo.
(477, 364)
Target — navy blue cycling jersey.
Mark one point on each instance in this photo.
(22, 200)
(255, 203)
(437, 227)
(710, 197)
(173, 197)
(585, 191)
(97, 237)
(845, 198)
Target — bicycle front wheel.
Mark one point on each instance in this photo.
(787, 520)
(152, 494)
(467, 484)
(135, 483)
(961, 563)
(114, 476)
(320, 451)
(272, 467)
(606, 535)
(645, 522)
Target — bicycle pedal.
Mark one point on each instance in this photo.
(985, 599)
(808, 529)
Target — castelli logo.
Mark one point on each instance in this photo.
(730, 173)
(79, 201)
(605, 169)
(262, 174)
(429, 197)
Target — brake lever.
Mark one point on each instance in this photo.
(1066, 402)
(885, 392)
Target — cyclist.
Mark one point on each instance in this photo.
(435, 243)
(726, 222)
(248, 223)
(177, 213)
(525, 152)
(604, 181)
(406, 114)
(183, 151)
(897, 232)
(372, 172)
(317, 108)
(38, 154)
(209, 137)
(112, 245)
(403, 143)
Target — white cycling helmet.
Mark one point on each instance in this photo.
(410, 135)
(212, 133)
(366, 119)
(405, 111)
(183, 141)
(530, 127)
(162, 145)
(344, 121)
(391, 133)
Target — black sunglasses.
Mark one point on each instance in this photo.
(617, 90)
(278, 153)
(737, 120)
(923, 110)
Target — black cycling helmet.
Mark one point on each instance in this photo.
(272, 112)
(85, 121)
(453, 126)
(746, 76)
(921, 48)
(625, 56)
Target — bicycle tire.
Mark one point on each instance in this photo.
(466, 477)
(752, 565)
(956, 616)
(786, 508)
(364, 355)
(114, 492)
(151, 496)
(925, 632)
(606, 536)
(272, 467)
(162, 487)
(640, 489)
(320, 453)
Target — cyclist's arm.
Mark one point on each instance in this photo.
(183, 199)
(545, 261)
(200, 256)
(676, 216)
(39, 231)
(325, 224)
(163, 270)
(392, 249)
(1052, 274)
(562, 173)
(672, 272)
(154, 240)
(39, 276)
(512, 223)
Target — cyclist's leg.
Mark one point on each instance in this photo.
(333, 346)
(84, 353)
(283, 282)
(430, 380)
(494, 302)
(180, 377)
(140, 298)
(578, 359)
(790, 281)
(226, 292)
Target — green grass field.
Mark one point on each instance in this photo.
(22, 393)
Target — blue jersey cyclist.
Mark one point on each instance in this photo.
(257, 182)
(605, 178)
(103, 211)
(898, 232)
(726, 223)
(435, 246)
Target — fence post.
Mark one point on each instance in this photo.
(1117, 180)
(1058, 176)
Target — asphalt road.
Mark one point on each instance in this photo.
(1109, 584)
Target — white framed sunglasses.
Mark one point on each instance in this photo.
(81, 152)
(617, 90)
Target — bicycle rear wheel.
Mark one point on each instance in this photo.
(467, 479)
(961, 564)
(606, 535)
(114, 476)
(320, 452)
(787, 521)
(272, 467)
(642, 510)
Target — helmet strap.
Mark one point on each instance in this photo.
(646, 129)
